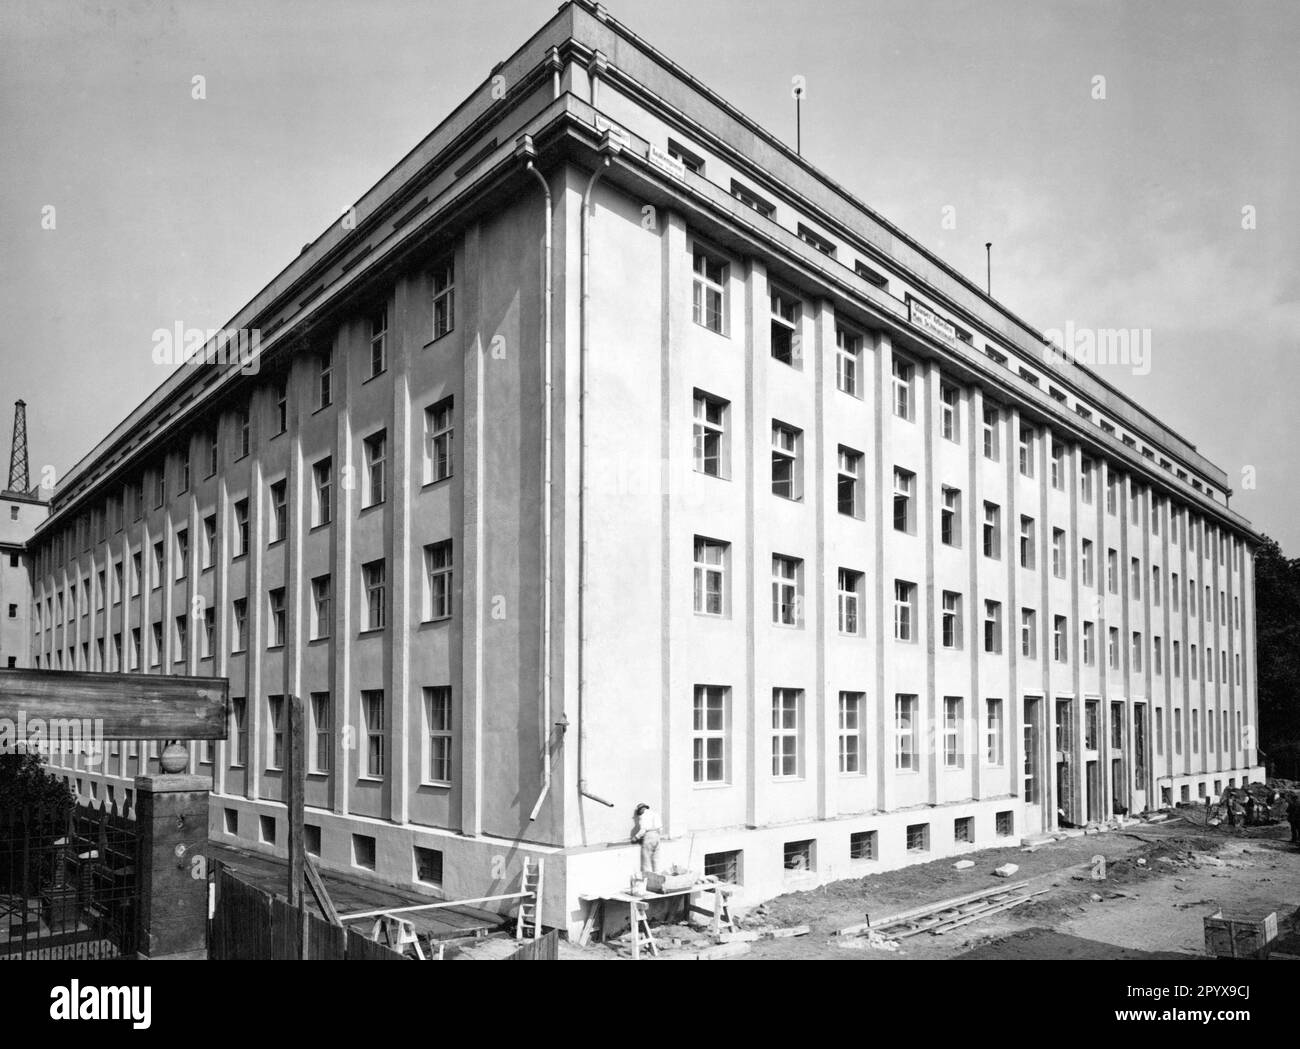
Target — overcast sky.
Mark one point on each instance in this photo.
(1122, 211)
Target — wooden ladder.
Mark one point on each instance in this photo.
(529, 919)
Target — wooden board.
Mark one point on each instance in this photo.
(129, 706)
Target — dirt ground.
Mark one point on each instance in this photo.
(1161, 880)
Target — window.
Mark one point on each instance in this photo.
(809, 236)
(711, 436)
(281, 405)
(372, 708)
(953, 756)
(690, 161)
(374, 584)
(182, 639)
(279, 512)
(848, 360)
(438, 570)
(709, 289)
(903, 375)
(322, 486)
(1135, 579)
(1086, 471)
(918, 837)
(950, 517)
(991, 434)
(275, 625)
(239, 732)
(1026, 450)
(275, 711)
(992, 531)
(1175, 591)
(849, 488)
(1004, 824)
(325, 379)
(850, 592)
(786, 310)
(1058, 553)
(437, 720)
(209, 633)
(241, 528)
(209, 541)
(156, 638)
(797, 856)
(1058, 466)
(1060, 639)
(1089, 643)
(214, 447)
(906, 758)
(871, 276)
(1157, 655)
(993, 627)
(904, 512)
(751, 200)
(1155, 585)
(244, 436)
(786, 590)
(904, 610)
(320, 607)
(951, 628)
(949, 412)
(862, 845)
(1112, 571)
(363, 851)
(184, 468)
(439, 431)
(1112, 492)
(1029, 633)
(1193, 662)
(709, 734)
(1027, 559)
(159, 557)
(444, 298)
(1112, 648)
(160, 485)
(710, 577)
(375, 450)
(1135, 502)
(428, 865)
(785, 732)
(135, 648)
(182, 551)
(322, 738)
(786, 447)
(1178, 658)
(852, 757)
(378, 340)
(963, 830)
(239, 611)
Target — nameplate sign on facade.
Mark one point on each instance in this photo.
(930, 322)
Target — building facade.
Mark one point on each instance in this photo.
(20, 513)
(608, 452)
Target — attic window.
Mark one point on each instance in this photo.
(871, 276)
(816, 240)
(752, 200)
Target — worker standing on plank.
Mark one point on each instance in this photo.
(647, 833)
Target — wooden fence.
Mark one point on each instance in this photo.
(544, 949)
(251, 925)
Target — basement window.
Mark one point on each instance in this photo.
(725, 866)
(862, 845)
(963, 830)
(311, 839)
(1005, 824)
(363, 851)
(232, 821)
(798, 856)
(428, 865)
(918, 837)
(266, 829)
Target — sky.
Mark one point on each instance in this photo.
(1134, 164)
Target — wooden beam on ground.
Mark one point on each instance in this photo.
(431, 906)
(118, 706)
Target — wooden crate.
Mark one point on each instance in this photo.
(1239, 935)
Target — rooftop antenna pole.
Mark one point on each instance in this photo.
(798, 123)
(988, 267)
(19, 480)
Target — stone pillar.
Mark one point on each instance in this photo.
(172, 818)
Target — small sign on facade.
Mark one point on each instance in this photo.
(930, 322)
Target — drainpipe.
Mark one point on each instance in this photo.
(525, 149)
(608, 148)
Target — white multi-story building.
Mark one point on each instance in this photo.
(720, 493)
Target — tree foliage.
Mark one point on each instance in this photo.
(1277, 618)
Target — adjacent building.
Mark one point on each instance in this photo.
(607, 451)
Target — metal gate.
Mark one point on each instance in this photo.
(68, 882)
